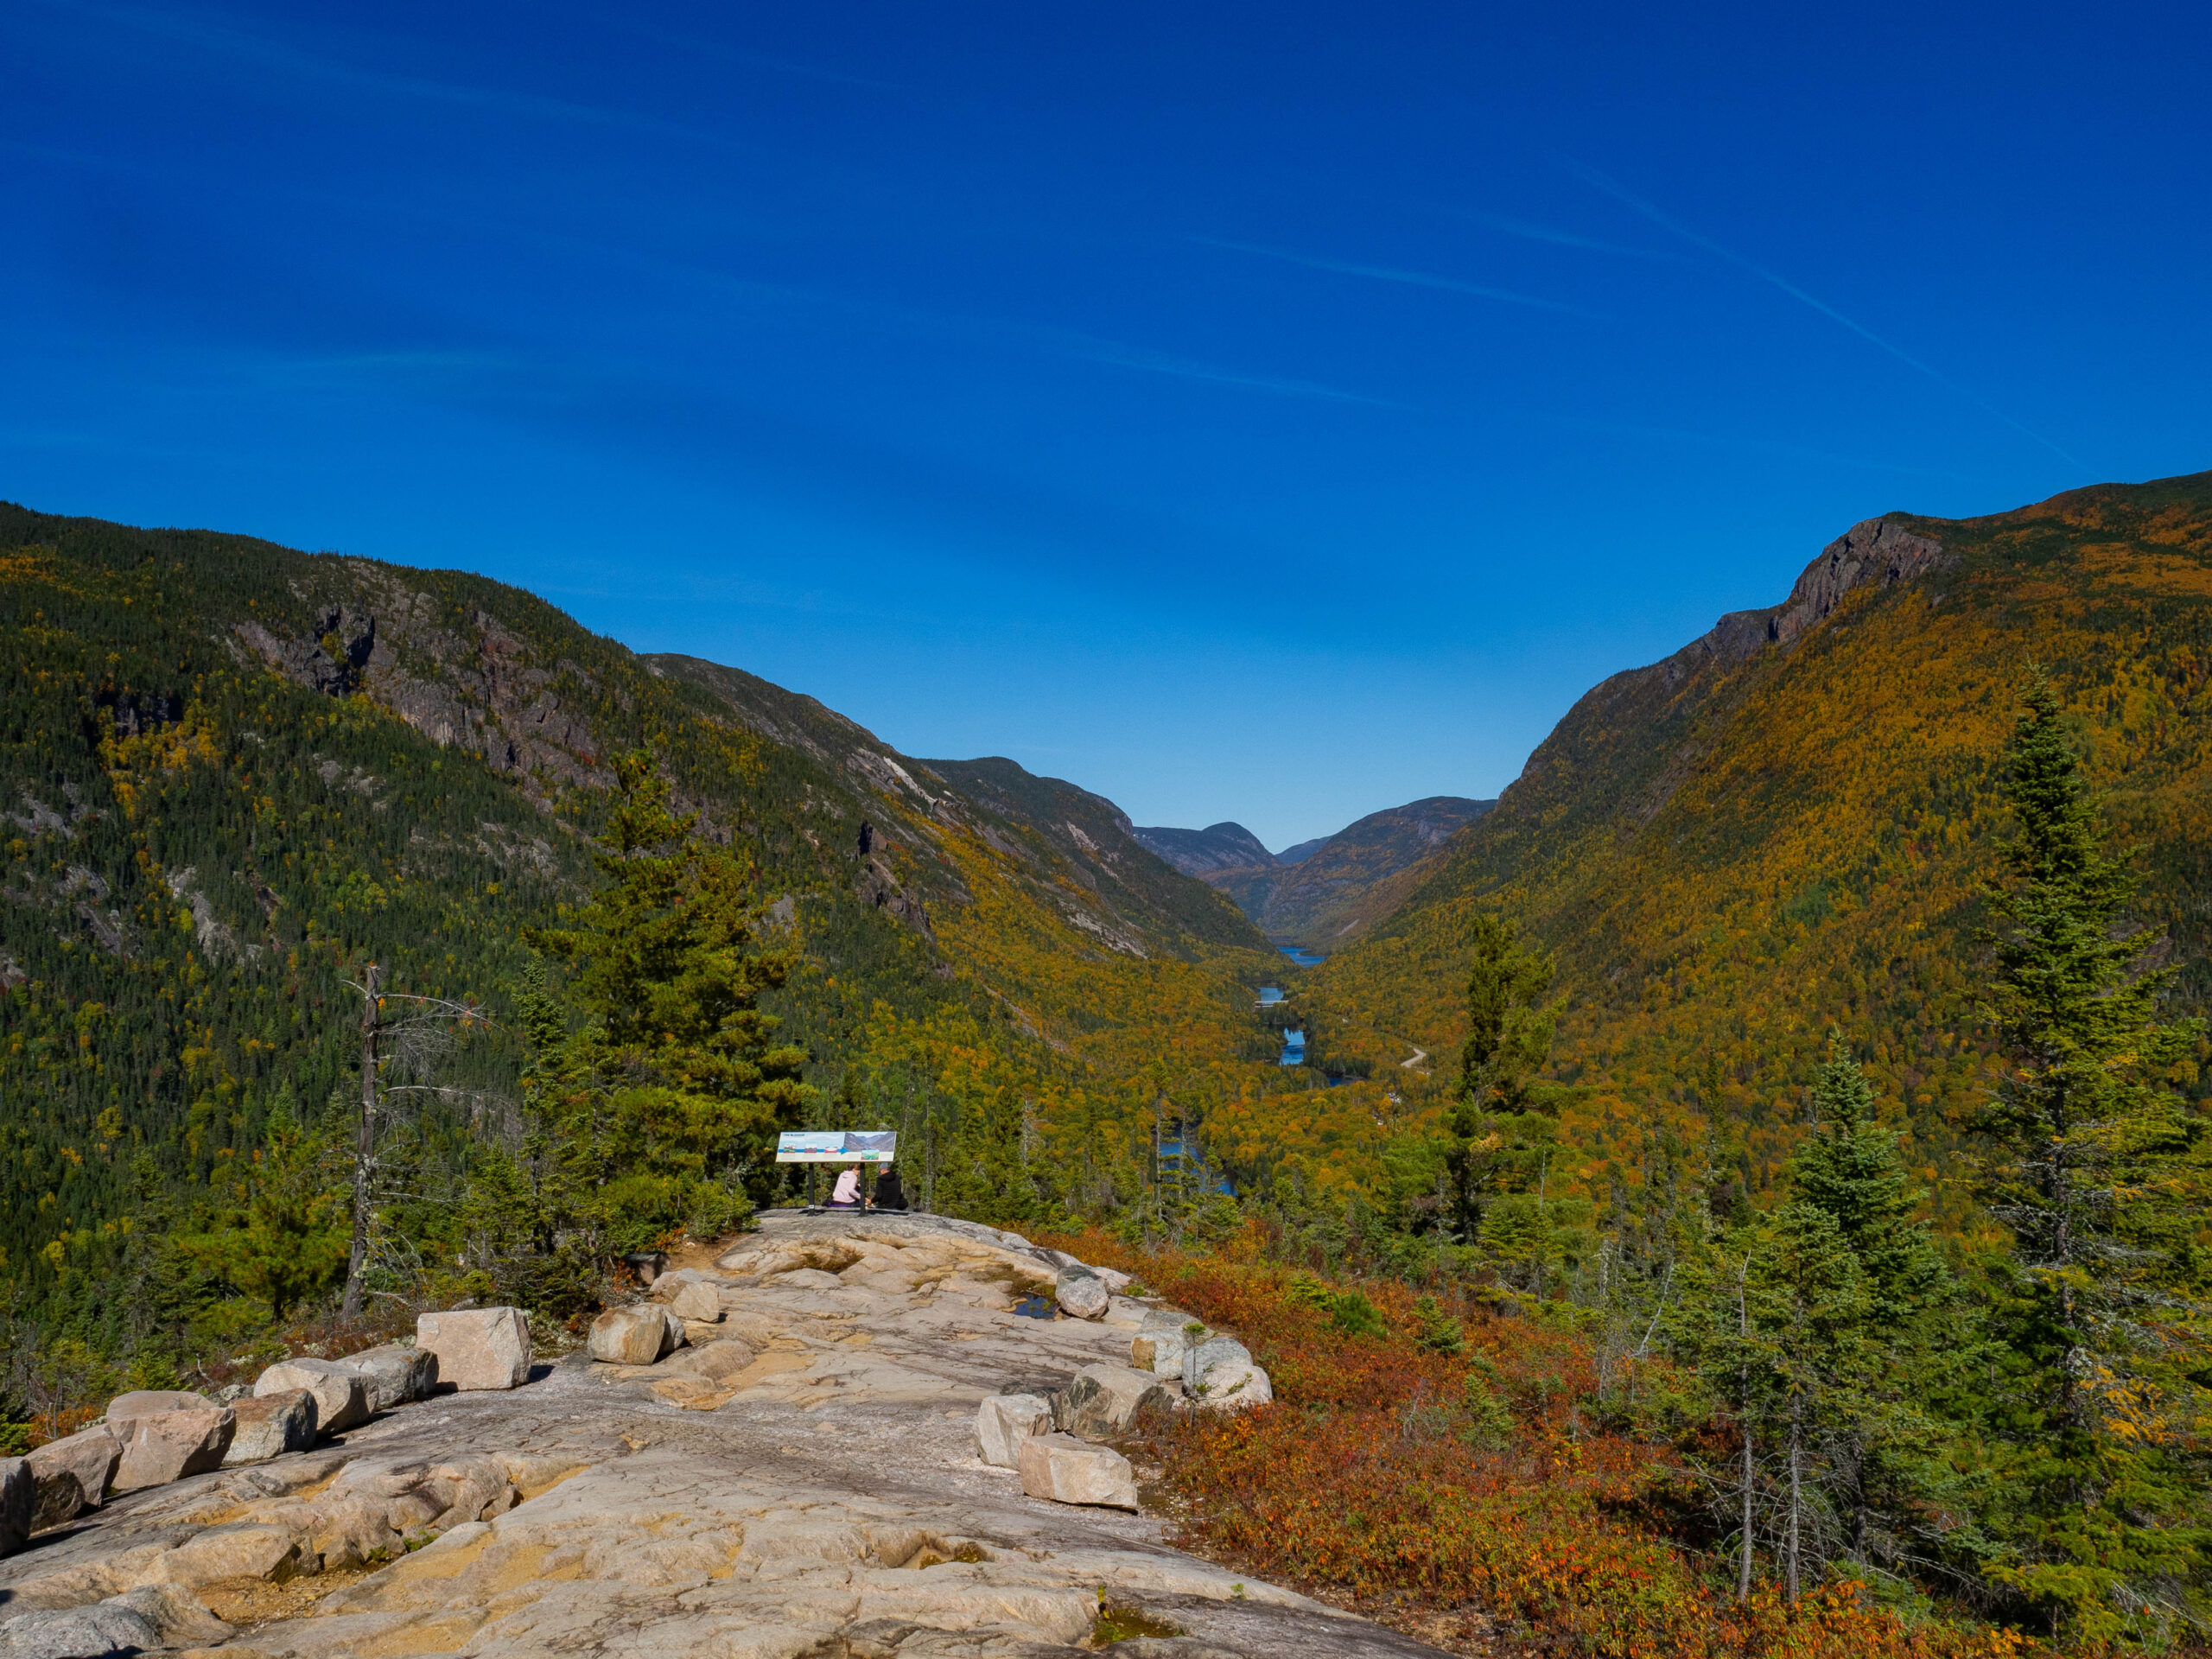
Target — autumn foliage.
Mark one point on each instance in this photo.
(1386, 1478)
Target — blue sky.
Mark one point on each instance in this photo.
(1268, 412)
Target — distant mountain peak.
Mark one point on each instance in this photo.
(1219, 847)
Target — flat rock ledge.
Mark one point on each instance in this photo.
(798, 1480)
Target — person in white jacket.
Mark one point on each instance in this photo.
(847, 1193)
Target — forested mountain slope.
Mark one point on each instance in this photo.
(1782, 827)
(233, 774)
(1320, 894)
(1363, 872)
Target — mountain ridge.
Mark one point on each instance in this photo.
(1779, 828)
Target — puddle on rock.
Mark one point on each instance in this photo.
(1037, 1307)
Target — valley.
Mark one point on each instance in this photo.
(1542, 1069)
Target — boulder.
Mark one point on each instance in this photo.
(1081, 1293)
(1005, 1420)
(281, 1420)
(637, 1335)
(393, 1375)
(165, 1446)
(1124, 1314)
(1207, 1351)
(18, 1499)
(56, 1496)
(98, 1631)
(341, 1396)
(696, 1301)
(145, 1403)
(1066, 1471)
(1162, 1341)
(90, 1455)
(238, 1551)
(1104, 1399)
(478, 1347)
(1230, 1387)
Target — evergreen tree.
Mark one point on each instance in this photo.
(1497, 1139)
(278, 1235)
(2095, 1164)
(659, 1109)
(1881, 1438)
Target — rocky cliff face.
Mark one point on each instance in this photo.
(1874, 551)
(1207, 852)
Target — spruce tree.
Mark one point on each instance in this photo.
(659, 1109)
(1496, 1138)
(1882, 1442)
(2095, 1164)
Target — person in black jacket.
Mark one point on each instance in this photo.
(889, 1195)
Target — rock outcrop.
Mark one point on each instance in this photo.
(804, 1481)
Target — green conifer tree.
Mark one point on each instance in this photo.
(2095, 1166)
(1881, 1432)
(659, 1110)
(1496, 1138)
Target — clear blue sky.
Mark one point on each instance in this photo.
(1269, 412)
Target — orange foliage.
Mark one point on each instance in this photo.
(1355, 1486)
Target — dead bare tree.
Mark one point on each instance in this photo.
(406, 1044)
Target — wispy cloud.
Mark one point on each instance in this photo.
(214, 33)
(1597, 180)
(1757, 445)
(1390, 274)
(1530, 232)
(689, 42)
(1151, 362)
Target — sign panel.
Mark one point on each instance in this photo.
(836, 1146)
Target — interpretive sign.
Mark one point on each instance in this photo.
(836, 1146)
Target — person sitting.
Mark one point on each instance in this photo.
(847, 1194)
(889, 1195)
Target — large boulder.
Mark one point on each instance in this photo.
(1162, 1341)
(160, 1446)
(1104, 1399)
(1208, 1352)
(1005, 1420)
(341, 1396)
(145, 1402)
(56, 1496)
(87, 1457)
(1067, 1470)
(18, 1499)
(1081, 1293)
(477, 1347)
(698, 1302)
(1230, 1387)
(393, 1375)
(283, 1419)
(637, 1335)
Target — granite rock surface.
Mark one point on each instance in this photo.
(803, 1482)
